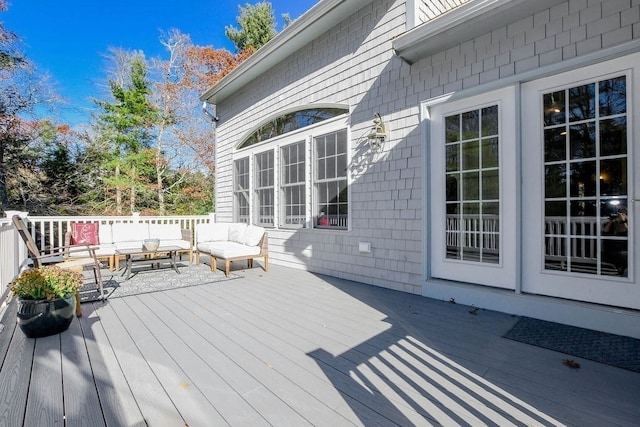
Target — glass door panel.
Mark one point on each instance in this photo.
(585, 165)
(578, 194)
(472, 181)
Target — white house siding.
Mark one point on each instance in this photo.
(353, 63)
(573, 28)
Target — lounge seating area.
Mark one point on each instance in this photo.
(231, 242)
(108, 238)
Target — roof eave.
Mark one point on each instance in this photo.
(316, 21)
(464, 23)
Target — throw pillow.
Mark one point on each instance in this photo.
(236, 230)
(252, 235)
(84, 233)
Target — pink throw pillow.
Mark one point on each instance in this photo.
(84, 233)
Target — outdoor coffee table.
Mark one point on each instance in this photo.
(164, 256)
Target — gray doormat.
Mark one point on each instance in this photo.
(616, 350)
(150, 280)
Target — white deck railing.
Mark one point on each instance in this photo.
(49, 231)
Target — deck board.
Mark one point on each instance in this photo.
(81, 403)
(294, 353)
(45, 401)
(154, 403)
(290, 347)
(238, 359)
(117, 401)
(14, 374)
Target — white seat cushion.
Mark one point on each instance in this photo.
(228, 249)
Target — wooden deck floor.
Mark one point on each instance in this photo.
(292, 348)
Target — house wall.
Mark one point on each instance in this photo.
(353, 63)
(429, 9)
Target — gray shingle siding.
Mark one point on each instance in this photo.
(353, 63)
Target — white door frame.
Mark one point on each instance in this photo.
(609, 290)
(504, 274)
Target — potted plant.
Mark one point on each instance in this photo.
(46, 299)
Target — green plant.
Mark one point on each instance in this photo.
(46, 282)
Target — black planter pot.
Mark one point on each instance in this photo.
(41, 318)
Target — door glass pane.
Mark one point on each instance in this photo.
(582, 102)
(613, 136)
(586, 191)
(473, 186)
(555, 144)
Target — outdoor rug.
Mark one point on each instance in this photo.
(151, 280)
(616, 350)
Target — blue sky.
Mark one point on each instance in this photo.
(68, 38)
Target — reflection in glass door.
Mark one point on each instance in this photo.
(472, 186)
(473, 205)
(585, 178)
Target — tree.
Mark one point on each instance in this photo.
(127, 123)
(185, 136)
(9, 58)
(257, 26)
(21, 90)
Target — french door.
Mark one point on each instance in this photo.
(473, 190)
(579, 146)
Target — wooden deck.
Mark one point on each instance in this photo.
(292, 348)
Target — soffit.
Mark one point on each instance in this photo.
(313, 23)
(464, 23)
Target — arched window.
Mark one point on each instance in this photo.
(290, 122)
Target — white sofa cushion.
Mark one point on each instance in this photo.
(103, 250)
(236, 230)
(212, 232)
(182, 244)
(104, 234)
(228, 249)
(165, 232)
(252, 235)
(128, 232)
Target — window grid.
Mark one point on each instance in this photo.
(472, 186)
(241, 190)
(264, 189)
(331, 193)
(292, 188)
(585, 148)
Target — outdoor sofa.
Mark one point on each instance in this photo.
(108, 238)
(231, 242)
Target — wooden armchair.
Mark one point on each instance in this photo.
(59, 257)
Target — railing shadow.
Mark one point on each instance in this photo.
(399, 376)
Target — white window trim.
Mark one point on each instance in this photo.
(307, 134)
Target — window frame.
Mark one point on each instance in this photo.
(301, 182)
(319, 205)
(239, 192)
(263, 208)
(307, 134)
